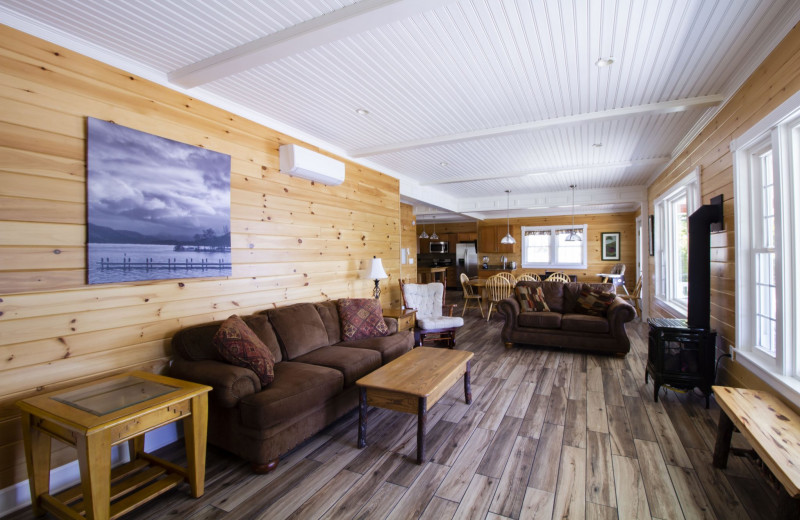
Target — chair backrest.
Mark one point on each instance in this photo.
(637, 291)
(498, 288)
(508, 276)
(558, 277)
(618, 269)
(426, 298)
(468, 289)
(529, 277)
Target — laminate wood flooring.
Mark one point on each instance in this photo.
(550, 434)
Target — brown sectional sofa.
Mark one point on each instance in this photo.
(315, 374)
(563, 327)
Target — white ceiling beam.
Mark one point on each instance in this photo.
(531, 173)
(666, 107)
(339, 24)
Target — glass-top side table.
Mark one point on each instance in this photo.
(95, 416)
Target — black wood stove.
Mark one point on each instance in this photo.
(680, 352)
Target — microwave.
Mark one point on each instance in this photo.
(440, 247)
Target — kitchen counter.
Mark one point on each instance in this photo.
(432, 274)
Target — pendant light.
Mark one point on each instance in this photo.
(434, 236)
(573, 236)
(508, 239)
(423, 234)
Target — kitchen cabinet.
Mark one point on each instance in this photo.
(452, 278)
(424, 245)
(467, 237)
(489, 240)
(452, 239)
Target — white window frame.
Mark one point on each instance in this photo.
(780, 132)
(666, 250)
(552, 264)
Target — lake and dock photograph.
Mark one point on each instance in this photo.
(157, 208)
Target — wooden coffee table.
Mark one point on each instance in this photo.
(413, 383)
(95, 416)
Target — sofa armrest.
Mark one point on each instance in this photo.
(230, 383)
(509, 308)
(391, 323)
(619, 313)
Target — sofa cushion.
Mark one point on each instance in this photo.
(361, 318)
(572, 291)
(540, 320)
(330, 318)
(296, 389)
(260, 324)
(240, 346)
(593, 302)
(531, 299)
(390, 347)
(299, 328)
(584, 323)
(353, 363)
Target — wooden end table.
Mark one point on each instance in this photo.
(95, 416)
(413, 383)
(406, 318)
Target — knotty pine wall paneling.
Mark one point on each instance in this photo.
(774, 81)
(293, 240)
(408, 239)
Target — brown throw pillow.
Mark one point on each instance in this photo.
(531, 300)
(240, 346)
(361, 318)
(593, 302)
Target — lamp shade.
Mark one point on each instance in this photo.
(376, 271)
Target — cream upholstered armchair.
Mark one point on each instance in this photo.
(428, 301)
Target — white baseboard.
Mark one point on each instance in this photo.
(18, 496)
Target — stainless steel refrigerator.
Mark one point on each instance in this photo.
(466, 259)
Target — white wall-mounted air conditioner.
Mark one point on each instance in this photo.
(302, 162)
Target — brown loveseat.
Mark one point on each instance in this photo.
(563, 326)
(314, 384)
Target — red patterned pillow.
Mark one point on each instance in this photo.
(530, 300)
(361, 318)
(593, 302)
(240, 346)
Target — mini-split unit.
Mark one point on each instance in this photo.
(304, 163)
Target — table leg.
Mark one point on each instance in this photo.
(135, 447)
(37, 460)
(94, 459)
(723, 445)
(467, 386)
(362, 417)
(195, 431)
(422, 420)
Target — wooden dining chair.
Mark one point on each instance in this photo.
(557, 277)
(635, 297)
(470, 294)
(498, 288)
(529, 277)
(508, 276)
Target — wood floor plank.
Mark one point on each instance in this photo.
(455, 483)
(657, 483)
(639, 421)
(596, 416)
(534, 416)
(575, 423)
(508, 498)
(667, 436)
(719, 492)
(382, 502)
(594, 377)
(611, 387)
(439, 509)
(327, 495)
(452, 446)
(545, 383)
(599, 470)
(570, 501)
(477, 498)
(598, 512)
(538, 505)
(416, 499)
(557, 407)
(690, 494)
(684, 426)
(256, 503)
(628, 384)
(577, 385)
(544, 475)
(631, 495)
(519, 405)
(620, 430)
(497, 410)
(496, 456)
(358, 495)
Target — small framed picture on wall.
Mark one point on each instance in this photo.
(609, 244)
(651, 235)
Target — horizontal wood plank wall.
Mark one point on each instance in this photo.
(623, 223)
(774, 81)
(293, 240)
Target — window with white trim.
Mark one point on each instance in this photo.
(766, 162)
(549, 247)
(672, 210)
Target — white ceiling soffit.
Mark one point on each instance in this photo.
(466, 98)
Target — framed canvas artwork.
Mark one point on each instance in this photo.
(609, 244)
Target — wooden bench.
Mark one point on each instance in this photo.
(773, 431)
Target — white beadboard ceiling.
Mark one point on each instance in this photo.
(466, 98)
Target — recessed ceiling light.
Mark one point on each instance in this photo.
(443, 163)
(604, 62)
(597, 145)
(362, 111)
